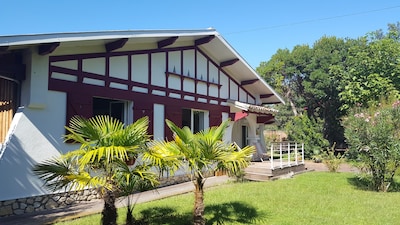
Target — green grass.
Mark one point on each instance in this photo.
(310, 198)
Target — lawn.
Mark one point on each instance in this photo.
(309, 198)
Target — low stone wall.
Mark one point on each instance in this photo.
(61, 200)
(45, 202)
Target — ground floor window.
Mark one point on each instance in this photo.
(197, 120)
(114, 108)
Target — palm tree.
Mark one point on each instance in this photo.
(204, 152)
(105, 144)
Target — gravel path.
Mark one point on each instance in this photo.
(345, 167)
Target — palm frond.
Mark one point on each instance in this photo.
(62, 173)
(164, 155)
(184, 134)
(237, 158)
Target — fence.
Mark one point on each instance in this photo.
(286, 154)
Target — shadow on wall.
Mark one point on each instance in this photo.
(18, 180)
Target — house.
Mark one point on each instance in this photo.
(192, 77)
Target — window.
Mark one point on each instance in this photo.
(245, 141)
(113, 108)
(195, 119)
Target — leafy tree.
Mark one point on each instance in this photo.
(201, 153)
(284, 72)
(374, 135)
(307, 130)
(321, 86)
(372, 72)
(105, 145)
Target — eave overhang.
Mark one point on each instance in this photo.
(208, 41)
(252, 108)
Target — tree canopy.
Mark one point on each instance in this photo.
(325, 80)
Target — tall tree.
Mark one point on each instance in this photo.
(202, 153)
(372, 71)
(321, 86)
(105, 145)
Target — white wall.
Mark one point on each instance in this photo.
(37, 136)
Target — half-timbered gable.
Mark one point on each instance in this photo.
(192, 77)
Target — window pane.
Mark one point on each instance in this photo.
(198, 122)
(113, 108)
(186, 118)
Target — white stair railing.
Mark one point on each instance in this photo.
(290, 153)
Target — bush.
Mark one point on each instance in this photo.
(302, 129)
(373, 135)
(331, 160)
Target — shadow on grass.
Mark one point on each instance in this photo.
(224, 213)
(227, 213)
(364, 183)
(164, 215)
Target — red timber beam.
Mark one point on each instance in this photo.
(3, 49)
(48, 48)
(265, 119)
(166, 42)
(228, 62)
(247, 82)
(204, 40)
(111, 46)
(266, 95)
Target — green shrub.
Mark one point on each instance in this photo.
(373, 135)
(302, 129)
(331, 160)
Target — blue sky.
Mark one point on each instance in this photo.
(255, 28)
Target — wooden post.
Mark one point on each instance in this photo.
(295, 154)
(280, 154)
(272, 156)
(288, 152)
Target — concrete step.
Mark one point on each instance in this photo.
(257, 176)
(258, 170)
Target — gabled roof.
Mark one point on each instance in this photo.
(208, 40)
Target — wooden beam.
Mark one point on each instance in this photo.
(3, 48)
(266, 95)
(48, 48)
(204, 40)
(247, 82)
(228, 62)
(116, 44)
(166, 42)
(267, 119)
(13, 71)
(264, 103)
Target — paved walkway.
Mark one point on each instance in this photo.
(96, 206)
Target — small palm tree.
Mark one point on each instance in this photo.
(105, 145)
(133, 179)
(204, 152)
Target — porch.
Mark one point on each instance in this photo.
(283, 159)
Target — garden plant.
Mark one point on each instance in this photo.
(373, 134)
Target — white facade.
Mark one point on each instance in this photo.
(192, 75)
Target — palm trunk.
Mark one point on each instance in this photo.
(109, 214)
(198, 214)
